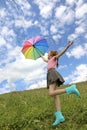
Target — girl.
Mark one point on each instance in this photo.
(54, 79)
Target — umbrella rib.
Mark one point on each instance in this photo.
(33, 53)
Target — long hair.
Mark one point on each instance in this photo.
(54, 53)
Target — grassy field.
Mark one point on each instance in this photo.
(34, 110)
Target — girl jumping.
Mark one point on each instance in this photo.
(54, 80)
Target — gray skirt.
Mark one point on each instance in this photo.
(54, 76)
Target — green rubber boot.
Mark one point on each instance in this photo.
(59, 118)
(73, 90)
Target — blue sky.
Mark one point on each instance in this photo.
(59, 21)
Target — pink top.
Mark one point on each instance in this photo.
(52, 63)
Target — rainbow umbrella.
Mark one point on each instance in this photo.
(34, 47)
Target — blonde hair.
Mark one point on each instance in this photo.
(53, 52)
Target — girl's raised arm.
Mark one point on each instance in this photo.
(65, 49)
(44, 59)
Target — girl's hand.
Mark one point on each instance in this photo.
(65, 49)
(70, 43)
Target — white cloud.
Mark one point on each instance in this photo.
(80, 74)
(64, 14)
(6, 32)
(20, 7)
(44, 30)
(7, 38)
(53, 29)
(62, 66)
(2, 41)
(4, 90)
(70, 2)
(81, 28)
(60, 11)
(81, 10)
(78, 51)
(57, 37)
(37, 85)
(46, 11)
(80, 20)
(72, 37)
(79, 3)
(86, 36)
(24, 4)
(2, 13)
(22, 22)
(26, 71)
(9, 87)
(20, 10)
(45, 7)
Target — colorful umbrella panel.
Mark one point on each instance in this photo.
(34, 47)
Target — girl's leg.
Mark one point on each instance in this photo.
(69, 90)
(53, 91)
(57, 102)
(58, 113)
(52, 88)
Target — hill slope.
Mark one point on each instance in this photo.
(34, 109)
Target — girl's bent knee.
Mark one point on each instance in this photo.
(51, 94)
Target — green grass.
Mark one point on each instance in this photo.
(34, 110)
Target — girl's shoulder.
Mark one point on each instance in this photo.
(53, 58)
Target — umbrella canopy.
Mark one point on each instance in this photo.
(34, 47)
